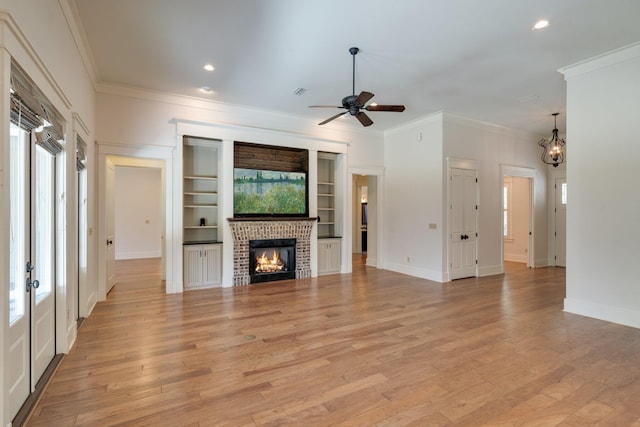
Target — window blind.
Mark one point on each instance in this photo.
(81, 154)
(32, 111)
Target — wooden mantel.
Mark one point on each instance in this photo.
(272, 218)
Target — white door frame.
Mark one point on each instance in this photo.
(378, 173)
(520, 172)
(144, 156)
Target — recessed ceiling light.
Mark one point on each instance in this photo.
(209, 67)
(206, 89)
(543, 23)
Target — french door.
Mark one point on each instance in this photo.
(32, 265)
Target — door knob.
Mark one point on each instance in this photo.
(109, 242)
(35, 284)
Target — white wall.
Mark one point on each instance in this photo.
(415, 159)
(138, 207)
(515, 249)
(414, 199)
(603, 208)
(36, 35)
(138, 117)
(493, 147)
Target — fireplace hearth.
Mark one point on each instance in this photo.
(272, 259)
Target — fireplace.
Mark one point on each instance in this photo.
(272, 259)
(243, 230)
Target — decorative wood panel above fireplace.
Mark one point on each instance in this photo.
(270, 181)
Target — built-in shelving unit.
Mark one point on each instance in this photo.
(328, 207)
(201, 212)
(200, 190)
(329, 214)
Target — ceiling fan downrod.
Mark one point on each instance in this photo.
(353, 51)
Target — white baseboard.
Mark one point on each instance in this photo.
(138, 255)
(607, 313)
(516, 258)
(423, 273)
(542, 262)
(72, 333)
(491, 270)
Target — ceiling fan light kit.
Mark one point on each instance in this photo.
(354, 104)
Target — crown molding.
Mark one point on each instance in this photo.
(604, 60)
(79, 36)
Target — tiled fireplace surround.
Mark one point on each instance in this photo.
(243, 230)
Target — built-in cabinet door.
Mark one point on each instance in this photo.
(211, 265)
(202, 266)
(463, 207)
(329, 256)
(192, 266)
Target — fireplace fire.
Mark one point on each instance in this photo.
(265, 264)
(272, 259)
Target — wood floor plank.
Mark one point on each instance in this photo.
(373, 348)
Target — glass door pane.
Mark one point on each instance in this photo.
(18, 222)
(44, 224)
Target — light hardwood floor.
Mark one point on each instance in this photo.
(374, 348)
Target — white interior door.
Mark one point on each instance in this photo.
(110, 219)
(560, 234)
(463, 204)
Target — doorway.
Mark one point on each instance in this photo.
(516, 219)
(560, 222)
(365, 218)
(107, 216)
(360, 214)
(517, 201)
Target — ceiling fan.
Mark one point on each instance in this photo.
(353, 104)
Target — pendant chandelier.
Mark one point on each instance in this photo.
(553, 149)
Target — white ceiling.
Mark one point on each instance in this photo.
(478, 59)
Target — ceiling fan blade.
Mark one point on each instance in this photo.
(395, 108)
(325, 106)
(364, 119)
(333, 118)
(363, 98)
